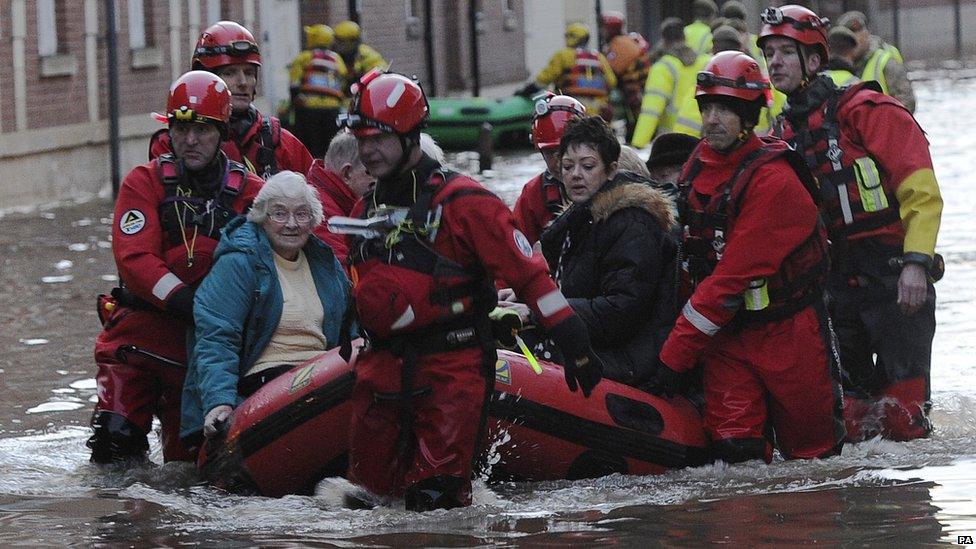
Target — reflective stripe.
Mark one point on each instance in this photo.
(845, 204)
(552, 303)
(652, 114)
(873, 198)
(672, 69)
(756, 297)
(405, 319)
(699, 321)
(656, 93)
(165, 285)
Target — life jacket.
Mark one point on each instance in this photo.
(321, 75)
(193, 223)
(257, 151)
(708, 219)
(853, 197)
(586, 78)
(402, 285)
(552, 194)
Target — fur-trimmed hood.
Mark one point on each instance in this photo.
(618, 196)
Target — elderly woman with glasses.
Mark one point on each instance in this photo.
(275, 298)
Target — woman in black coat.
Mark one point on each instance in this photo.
(612, 253)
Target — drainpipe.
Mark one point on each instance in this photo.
(429, 47)
(475, 69)
(113, 93)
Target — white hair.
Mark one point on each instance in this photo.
(342, 150)
(630, 161)
(433, 150)
(285, 184)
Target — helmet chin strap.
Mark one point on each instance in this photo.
(406, 148)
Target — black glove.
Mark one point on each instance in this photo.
(505, 324)
(581, 365)
(529, 90)
(666, 382)
(180, 303)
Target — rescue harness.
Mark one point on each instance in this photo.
(708, 218)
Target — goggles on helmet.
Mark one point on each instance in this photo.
(353, 121)
(775, 16)
(186, 114)
(709, 80)
(237, 48)
(543, 107)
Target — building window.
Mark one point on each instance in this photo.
(141, 25)
(52, 19)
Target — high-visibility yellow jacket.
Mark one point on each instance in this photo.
(670, 83)
(698, 37)
(882, 63)
(843, 77)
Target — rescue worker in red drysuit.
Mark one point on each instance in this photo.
(341, 180)
(259, 142)
(168, 217)
(629, 57)
(423, 292)
(755, 254)
(883, 207)
(543, 198)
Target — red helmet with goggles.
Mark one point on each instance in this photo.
(798, 23)
(551, 115)
(733, 74)
(386, 102)
(225, 43)
(199, 96)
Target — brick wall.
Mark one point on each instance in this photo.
(57, 100)
(6, 60)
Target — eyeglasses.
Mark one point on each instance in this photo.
(775, 16)
(709, 80)
(302, 217)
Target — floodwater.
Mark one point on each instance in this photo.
(55, 261)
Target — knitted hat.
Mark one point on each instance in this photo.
(671, 149)
(853, 20)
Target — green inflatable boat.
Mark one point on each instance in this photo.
(455, 122)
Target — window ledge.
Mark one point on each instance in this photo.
(146, 58)
(59, 65)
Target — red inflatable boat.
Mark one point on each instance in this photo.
(293, 431)
(542, 431)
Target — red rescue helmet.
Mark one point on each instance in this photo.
(798, 23)
(612, 23)
(735, 80)
(225, 43)
(386, 102)
(733, 74)
(199, 96)
(551, 115)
